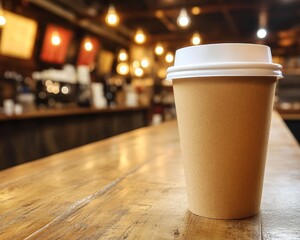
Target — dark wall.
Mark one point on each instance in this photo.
(294, 126)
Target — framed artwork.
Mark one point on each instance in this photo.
(18, 36)
(55, 44)
(88, 49)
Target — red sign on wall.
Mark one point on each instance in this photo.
(88, 50)
(55, 44)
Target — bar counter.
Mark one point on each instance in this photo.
(131, 186)
(38, 134)
(49, 113)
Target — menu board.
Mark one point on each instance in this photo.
(55, 53)
(18, 36)
(105, 62)
(86, 56)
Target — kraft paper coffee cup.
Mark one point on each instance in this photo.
(224, 98)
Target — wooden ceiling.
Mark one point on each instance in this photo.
(218, 21)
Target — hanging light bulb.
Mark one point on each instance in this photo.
(122, 68)
(55, 39)
(2, 18)
(145, 62)
(112, 18)
(136, 64)
(159, 49)
(196, 10)
(139, 72)
(169, 57)
(183, 19)
(88, 45)
(123, 56)
(196, 39)
(261, 33)
(140, 36)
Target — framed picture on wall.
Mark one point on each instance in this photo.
(88, 50)
(55, 44)
(18, 36)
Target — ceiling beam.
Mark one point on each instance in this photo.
(173, 12)
(92, 27)
(169, 24)
(230, 21)
(86, 13)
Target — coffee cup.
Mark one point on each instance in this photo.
(224, 98)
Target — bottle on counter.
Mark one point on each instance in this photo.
(98, 96)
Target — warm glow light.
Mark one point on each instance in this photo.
(183, 19)
(65, 90)
(169, 57)
(55, 40)
(140, 36)
(122, 68)
(135, 64)
(48, 83)
(139, 72)
(2, 20)
(161, 73)
(88, 46)
(145, 62)
(55, 88)
(112, 17)
(123, 56)
(196, 39)
(159, 49)
(261, 33)
(49, 89)
(196, 10)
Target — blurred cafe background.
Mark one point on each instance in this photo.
(75, 72)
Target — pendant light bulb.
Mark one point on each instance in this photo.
(2, 18)
(122, 68)
(139, 72)
(145, 62)
(261, 33)
(140, 36)
(88, 45)
(123, 56)
(169, 57)
(196, 39)
(112, 18)
(55, 39)
(159, 49)
(183, 19)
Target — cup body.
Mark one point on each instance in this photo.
(224, 126)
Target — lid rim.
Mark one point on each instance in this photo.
(225, 73)
(227, 65)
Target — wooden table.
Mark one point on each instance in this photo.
(132, 187)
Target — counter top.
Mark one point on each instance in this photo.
(48, 113)
(289, 114)
(132, 187)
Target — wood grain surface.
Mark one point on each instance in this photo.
(132, 187)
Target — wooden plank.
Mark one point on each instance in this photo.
(132, 187)
(281, 195)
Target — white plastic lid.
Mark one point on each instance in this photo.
(226, 59)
